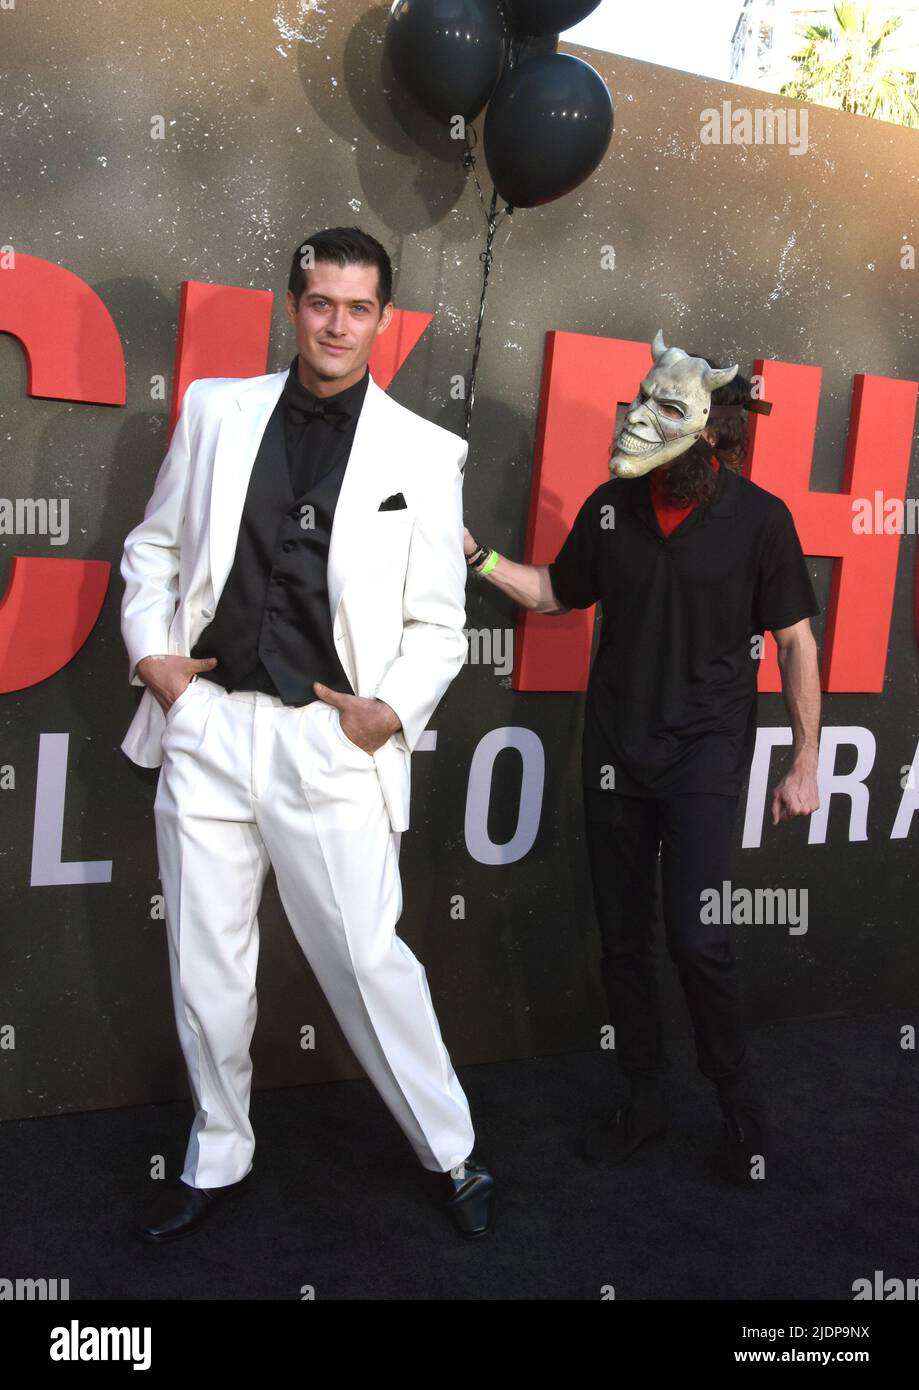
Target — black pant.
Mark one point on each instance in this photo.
(693, 832)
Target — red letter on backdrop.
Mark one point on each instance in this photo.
(860, 607)
(73, 353)
(46, 614)
(222, 331)
(585, 378)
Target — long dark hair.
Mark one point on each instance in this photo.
(691, 477)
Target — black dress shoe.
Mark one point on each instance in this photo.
(630, 1127)
(470, 1196)
(181, 1209)
(744, 1147)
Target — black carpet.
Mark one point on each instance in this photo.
(339, 1203)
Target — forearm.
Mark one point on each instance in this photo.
(528, 585)
(801, 693)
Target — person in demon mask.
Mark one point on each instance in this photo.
(698, 564)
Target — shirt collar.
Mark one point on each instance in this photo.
(350, 400)
(723, 502)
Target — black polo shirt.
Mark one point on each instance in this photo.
(671, 699)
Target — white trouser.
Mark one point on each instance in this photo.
(248, 781)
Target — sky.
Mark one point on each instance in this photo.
(675, 33)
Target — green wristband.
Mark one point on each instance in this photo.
(489, 564)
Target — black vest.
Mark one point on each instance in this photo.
(272, 629)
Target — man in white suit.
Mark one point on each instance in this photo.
(294, 604)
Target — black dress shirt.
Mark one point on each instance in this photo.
(272, 630)
(318, 430)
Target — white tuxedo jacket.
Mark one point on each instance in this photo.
(396, 579)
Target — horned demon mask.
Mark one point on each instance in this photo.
(670, 411)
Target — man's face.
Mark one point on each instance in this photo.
(669, 413)
(337, 322)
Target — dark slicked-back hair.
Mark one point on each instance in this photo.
(342, 246)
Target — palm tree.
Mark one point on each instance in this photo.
(848, 65)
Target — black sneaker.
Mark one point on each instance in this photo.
(745, 1147)
(614, 1141)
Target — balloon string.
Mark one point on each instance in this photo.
(493, 218)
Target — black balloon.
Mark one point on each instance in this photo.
(548, 126)
(448, 54)
(548, 16)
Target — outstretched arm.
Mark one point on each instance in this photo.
(528, 585)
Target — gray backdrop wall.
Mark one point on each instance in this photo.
(278, 124)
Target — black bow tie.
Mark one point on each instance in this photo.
(300, 415)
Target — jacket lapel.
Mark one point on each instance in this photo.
(363, 487)
(238, 438)
(239, 434)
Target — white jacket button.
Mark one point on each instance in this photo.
(207, 612)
